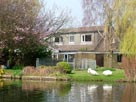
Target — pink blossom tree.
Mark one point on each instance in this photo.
(23, 26)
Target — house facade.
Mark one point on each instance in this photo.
(82, 47)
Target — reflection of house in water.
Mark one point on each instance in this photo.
(77, 92)
(107, 93)
(82, 47)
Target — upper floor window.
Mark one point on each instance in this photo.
(71, 39)
(86, 38)
(59, 40)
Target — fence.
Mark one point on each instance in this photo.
(76, 64)
(46, 61)
(85, 63)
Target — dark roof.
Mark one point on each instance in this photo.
(82, 29)
(75, 48)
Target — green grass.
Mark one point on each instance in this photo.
(13, 72)
(117, 75)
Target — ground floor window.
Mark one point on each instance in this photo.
(69, 57)
(119, 58)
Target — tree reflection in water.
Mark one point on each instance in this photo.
(28, 91)
(61, 88)
(33, 91)
(129, 94)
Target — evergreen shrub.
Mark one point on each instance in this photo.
(65, 66)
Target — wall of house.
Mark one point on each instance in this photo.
(85, 61)
(77, 38)
(81, 60)
(96, 38)
(114, 61)
(82, 55)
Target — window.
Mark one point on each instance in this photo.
(65, 57)
(71, 39)
(69, 57)
(58, 40)
(86, 38)
(119, 58)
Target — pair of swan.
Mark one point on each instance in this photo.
(93, 72)
(106, 87)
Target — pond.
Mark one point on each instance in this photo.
(34, 91)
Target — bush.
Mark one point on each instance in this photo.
(65, 66)
(28, 70)
(1, 71)
(39, 71)
(18, 67)
(103, 69)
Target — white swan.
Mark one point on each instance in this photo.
(107, 87)
(107, 72)
(93, 72)
(92, 88)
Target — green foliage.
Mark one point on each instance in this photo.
(13, 72)
(39, 51)
(24, 25)
(128, 45)
(64, 89)
(1, 71)
(125, 25)
(42, 51)
(17, 67)
(65, 66)
(103, 69)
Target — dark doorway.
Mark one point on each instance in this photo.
(100, 60)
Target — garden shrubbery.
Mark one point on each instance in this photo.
(17, 67)
(1, 71)
(40, 71)
(103, 69)
(60, 68)
(65, 67)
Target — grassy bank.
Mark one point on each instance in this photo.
(13, 72)
(117, 75)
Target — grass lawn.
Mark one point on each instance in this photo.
(13, 72)
(118, 74)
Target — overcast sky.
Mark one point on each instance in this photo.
(74, 6)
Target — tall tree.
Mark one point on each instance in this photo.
(120, 23)
(125, 25)
(24, 24)
(100, 12)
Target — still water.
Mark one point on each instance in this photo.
(33, 91)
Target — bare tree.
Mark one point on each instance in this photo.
(101, 12)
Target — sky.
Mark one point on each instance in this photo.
(74, 6)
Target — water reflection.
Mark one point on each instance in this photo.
(32, 91)
(93, 93)
(129, 94)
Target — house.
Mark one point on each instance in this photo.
(83, 47)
